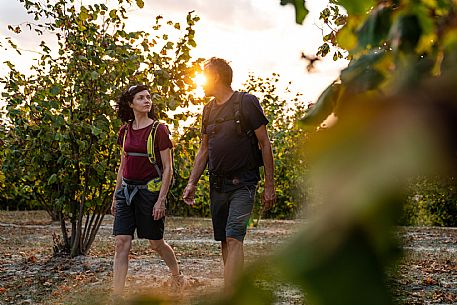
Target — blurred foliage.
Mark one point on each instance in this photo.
(61, 127)
(433, 202)
(392, 46)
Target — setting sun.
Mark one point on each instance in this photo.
(200, 81)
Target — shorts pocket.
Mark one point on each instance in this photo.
(119, 196)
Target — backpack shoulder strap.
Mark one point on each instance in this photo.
(124, 137)
(243, 130)
(238, 117)
(150, 147)
(206, 113)
(151, 140)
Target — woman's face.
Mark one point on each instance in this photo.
(141, 102)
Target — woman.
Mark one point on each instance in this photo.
(141, 186)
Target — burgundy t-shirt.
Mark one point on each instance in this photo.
(137, 167)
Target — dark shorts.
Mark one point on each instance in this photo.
(231, 211)
(138, 216)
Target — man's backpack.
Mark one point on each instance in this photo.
(240, 126)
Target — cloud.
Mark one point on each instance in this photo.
(12, 12)
(240, 14)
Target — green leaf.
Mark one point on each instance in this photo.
(345, 37)
(55, 90)
(300, 10)
(95, 130)
(361, 74)
(357, 66)
(113, 13)
(94, 75)
(405, 33)
(324, 106)
(52, 179)
(357, 7)
(375, 29)
(83, 14)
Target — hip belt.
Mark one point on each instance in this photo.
(130, 188)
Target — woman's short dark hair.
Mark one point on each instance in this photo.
(124, 111)
(221, 67)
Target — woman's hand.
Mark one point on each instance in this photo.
(159, 209)
(113, 207)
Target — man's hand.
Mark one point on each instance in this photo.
(159, 209)
(268, 197)
(189, 194)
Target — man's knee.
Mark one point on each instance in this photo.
(123, 244)
(233, 243)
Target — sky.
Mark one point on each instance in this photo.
(255, 36)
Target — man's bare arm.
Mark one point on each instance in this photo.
(267, 155)
(201, 160)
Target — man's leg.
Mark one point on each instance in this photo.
(224, 250)
(234, 261)
(240, 209)
(219, 215)
(167, 254)
(121, 262)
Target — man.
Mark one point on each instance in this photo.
(233, 130)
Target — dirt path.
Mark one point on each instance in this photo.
(30, 275)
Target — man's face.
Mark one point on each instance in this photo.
(210, 81)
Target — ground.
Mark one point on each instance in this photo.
(29, 274)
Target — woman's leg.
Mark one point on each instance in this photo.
(121, 262)
(167, 254)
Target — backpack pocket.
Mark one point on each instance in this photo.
(154, 185)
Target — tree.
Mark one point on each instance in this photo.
(283, 112)
(61, 132)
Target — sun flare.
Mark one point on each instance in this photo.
(199, 81)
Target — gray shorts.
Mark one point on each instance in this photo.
(231, 211)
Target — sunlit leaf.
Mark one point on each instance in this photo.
(113, 13)
(300, 10)
(83, 15)
(357, 7)
(346, 37)
(140, 3)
